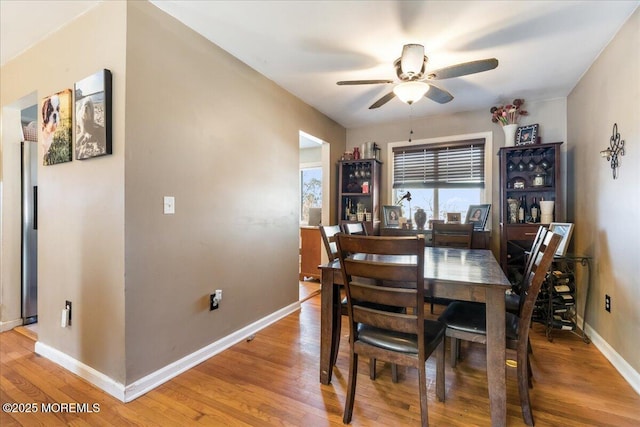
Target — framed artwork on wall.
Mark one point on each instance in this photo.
(56, 118)
(93, 115)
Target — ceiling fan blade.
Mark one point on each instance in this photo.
(363, 82)
(412, 59)
(438, 95)
(464, 69)
(380, 102)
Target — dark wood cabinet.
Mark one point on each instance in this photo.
(359, 192)
(527, 172)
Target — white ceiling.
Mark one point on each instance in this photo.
(544, 47)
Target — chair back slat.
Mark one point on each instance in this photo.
(378, 294)
(399, 322)
(452, 235)
(355, 228)
(328, 233)
(386, 271)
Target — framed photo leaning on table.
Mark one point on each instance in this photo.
(565, 229)
(526, 135)
(478, 215)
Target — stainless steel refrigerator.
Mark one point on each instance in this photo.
(29, 232)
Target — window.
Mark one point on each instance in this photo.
(442, 175)
(310, 191)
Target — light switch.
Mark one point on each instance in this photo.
(169, 205)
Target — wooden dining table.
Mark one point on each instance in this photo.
(459, 274)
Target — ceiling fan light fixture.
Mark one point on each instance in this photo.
(410, 92)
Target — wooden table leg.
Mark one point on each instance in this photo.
(496, 355)
(327, 324)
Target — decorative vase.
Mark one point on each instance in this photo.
(421, 218)
(510, 134)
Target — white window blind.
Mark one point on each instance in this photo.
(447, 165)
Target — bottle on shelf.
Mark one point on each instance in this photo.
(535, 211)
(522, 211)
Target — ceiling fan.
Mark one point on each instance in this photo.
(410, 69)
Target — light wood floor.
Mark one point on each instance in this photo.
(274, 380)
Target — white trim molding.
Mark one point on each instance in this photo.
(143, 385)
(628, 373)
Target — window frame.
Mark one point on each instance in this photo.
(308, 165)
(486, 195)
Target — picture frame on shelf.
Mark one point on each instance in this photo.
(453, 217)
(391, 216)
(564, 229)
(526, 135)
(478, 215)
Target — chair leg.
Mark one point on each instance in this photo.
(440, 371)
(335, 339)
(394, 373)
(422, 384)
(523, 387)
(455, 350)
(372, 369)
(351, 388)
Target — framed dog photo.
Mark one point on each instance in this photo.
(93, 115)
(526, 135)
(56, 117)
(478, 215)
(391, 216)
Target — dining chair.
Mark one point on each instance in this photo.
(467, 320)
(357, 228)
(452, 235)
(389, 270)
(449, 235)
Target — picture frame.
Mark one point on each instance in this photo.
(56, 115)
(526, 135)
(564, 229)
(453, 217)
(478, 215)
(93, 115)
(391, 216)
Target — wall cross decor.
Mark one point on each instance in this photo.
(615, 149)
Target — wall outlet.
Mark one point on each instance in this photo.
(65, 319)
(607, 303)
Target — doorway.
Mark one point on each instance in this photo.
(313, 196)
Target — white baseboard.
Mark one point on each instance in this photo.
(7, 326)
(628, 373)
(95, 377)
(162, 375)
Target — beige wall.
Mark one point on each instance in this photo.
(607, 211)
(198, 125)
(81, 203)
(549, 114)
(224, 141)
